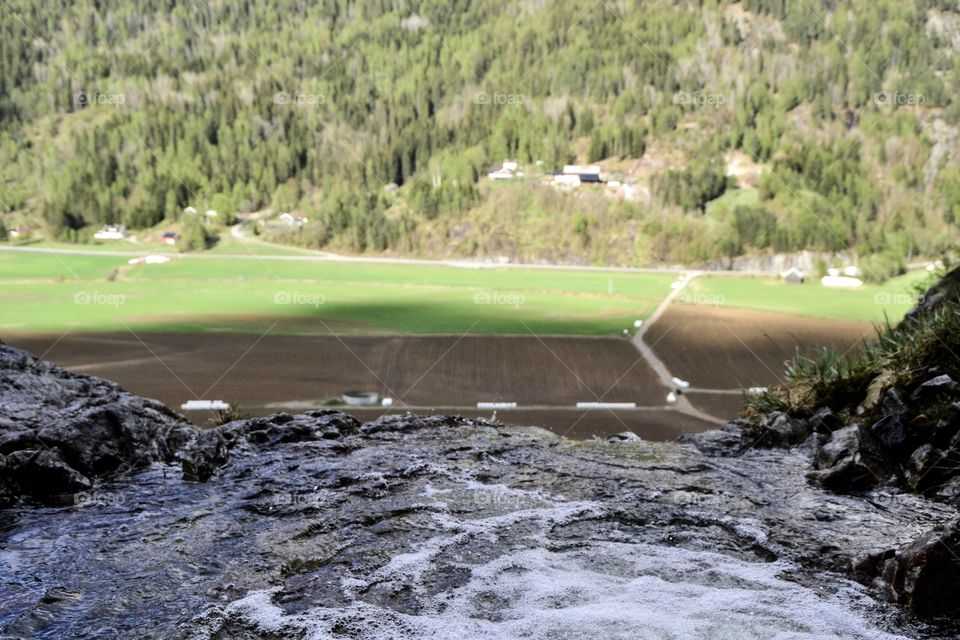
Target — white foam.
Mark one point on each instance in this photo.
(602, 590)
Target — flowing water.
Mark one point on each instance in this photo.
(440, 530)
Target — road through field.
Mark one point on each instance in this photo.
(665, 376)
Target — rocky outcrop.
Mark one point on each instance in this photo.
(923, 575)
(60, 432)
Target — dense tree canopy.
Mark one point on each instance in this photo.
(128, 112)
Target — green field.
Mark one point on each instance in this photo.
(870, 303)
(57, 292)
(54, 293)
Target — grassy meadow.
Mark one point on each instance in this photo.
(60, 292)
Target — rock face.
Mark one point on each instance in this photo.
(60, 432)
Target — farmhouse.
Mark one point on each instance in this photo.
(506, 171)
(793, 276)
(111, 232)
(574, 175)
(292, 219)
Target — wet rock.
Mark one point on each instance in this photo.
(624, 436)
(779, 429)
(924, 575)
(847, 462)
(213, 449)
(60, 431)
(726, 441)
(824, 420)
(930, 468)
(43, 474)
(891, 432)
(950, 491)
(935, 387)
(893, 404)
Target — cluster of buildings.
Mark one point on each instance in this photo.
(846, 277)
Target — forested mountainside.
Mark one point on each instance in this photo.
(844, 113)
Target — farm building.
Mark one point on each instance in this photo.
(292, 219)
(506, 171)
(169, 237)
(111, 232)
(574, 175)
(793, 276)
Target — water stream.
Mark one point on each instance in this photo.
(437, 530)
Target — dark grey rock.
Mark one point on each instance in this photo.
(934, 387)
(892, 403)
(848, 463)
(60, 431)
(824, 420)
(779, 429)
(891, 432)
(924, 575)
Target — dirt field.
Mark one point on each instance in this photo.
(420, 371)
(713, 348)
(733, 348)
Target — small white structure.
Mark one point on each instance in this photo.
(756, 391)
(205, 405)
(606, 405)
(292, 219)
(386, 402)
(566, 180)
(506, 171)
(793, 276)
(672, 398)
(637, 324)
(683, 384)
(190, 210)
(152, 259)
(852, 271)
(575, 169)
(111, 232)
(210, 213)
(496, 405)
(841, 282)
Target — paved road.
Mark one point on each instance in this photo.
(320, 256)
(659, 367)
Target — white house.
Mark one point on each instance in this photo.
(506, 171)
(111, 232)
(793, 276)
(292, 219)
(841, 282)
(190, 210)
(210, 213)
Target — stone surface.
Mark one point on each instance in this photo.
(60, 432)
(847, 462)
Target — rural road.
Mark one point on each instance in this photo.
(659, 367)
(320, 256)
